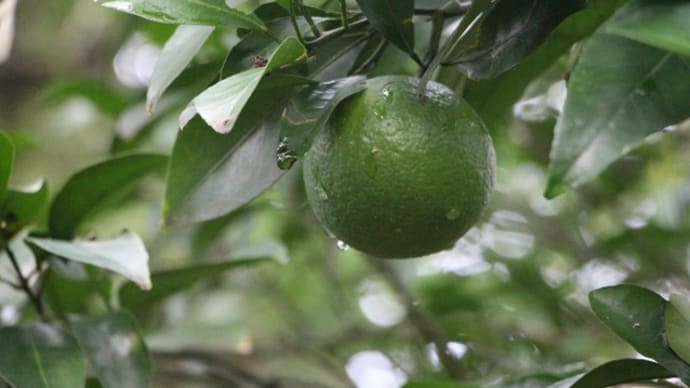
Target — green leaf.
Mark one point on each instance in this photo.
(211, 174)
(393, 19)
(105, 98)
(438, 384)
(637, 315)
(125, 254)
(96, 187)
(204, 12)
(620, 92)
(663, 24)
(6, 162)
(494, 108)
(677, 323)
(620, 372)
(24, 207)
(115, 348)
(40, 355)
(168, 282)
(177, 53)
(307, 113)
(507, 33)
(221, 104)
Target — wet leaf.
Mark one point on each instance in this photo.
(125, 255)
(663, 24)
(40, 355)
(204, 12)
(115, 349)
(507, 33)
(620, 92)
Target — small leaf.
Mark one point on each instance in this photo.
(211, 175)
(177, 53)
(662, 24)
(309, 110)
(221, 104)
(620, 372)
(677, 323)
(507, 33)
(620, 92)
(125, 254)
(97, 186)
(169, 282)
(204, 12)
(393, 19)
(637, 315)
(24, 207)
(115, 348)
(6, 162)
(40, 355)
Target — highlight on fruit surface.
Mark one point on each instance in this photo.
(395, 175)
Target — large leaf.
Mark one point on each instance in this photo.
(620, 372)
(663, 24)
(177, 53)
(221, 104)
(40, 356)
(125, 254)
(24, 207)
(677, 323)
(620, 92)
(96, 187)
(115, 348)
(637, 315)
(307, 113)
(204, 12)
(393, 18)
(6, 162)
(507, 33)
(168, 282)
(494, 98)
(211, 174)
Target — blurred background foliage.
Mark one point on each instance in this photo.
(508, 303)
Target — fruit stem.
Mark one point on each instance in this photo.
(426, 327)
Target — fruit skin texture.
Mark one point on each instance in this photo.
(397, 178)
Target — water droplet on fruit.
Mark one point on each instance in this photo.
(370, 167)
(453, 214)
(285, 158)
(342, 245)
(386, 93)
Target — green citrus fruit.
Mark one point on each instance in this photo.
(395, 177)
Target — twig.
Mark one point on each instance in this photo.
(293, 20)
(425, 326)
(24, 284)
(335, 33)
(343, 14)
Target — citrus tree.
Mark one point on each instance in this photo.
(233, 194)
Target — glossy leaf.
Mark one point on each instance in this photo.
(177, 53)
(677, 324)
(507, 33)
(96, 187)
(125, 254)
(620, 372)
(637, 315)
(6, 162)
(24, 207)
(169, 282)
(211, 174)
(204, 12)
(663, 24)
(393, 19)
(309, 110)
(494, 98)
(620, 92)
(221, 104)
(115, 349)
(40, 355)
